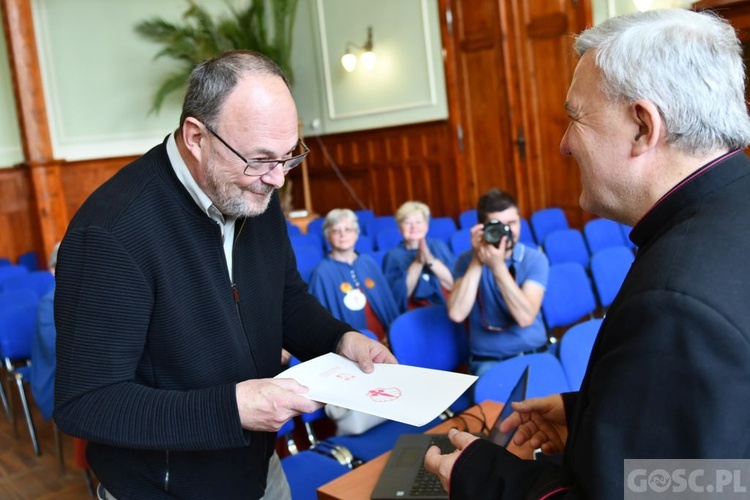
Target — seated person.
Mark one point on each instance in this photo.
(418, 269)
(43, 348)
(350, 285)
(499, 286)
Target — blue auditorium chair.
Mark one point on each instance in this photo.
(546, 220)
(608, 270)
(575, 349)
(546, 377)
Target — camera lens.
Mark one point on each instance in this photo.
(494, 230)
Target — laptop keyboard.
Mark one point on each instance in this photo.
(427, 484)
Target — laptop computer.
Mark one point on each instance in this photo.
(404, 476)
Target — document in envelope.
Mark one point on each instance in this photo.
(403, 393)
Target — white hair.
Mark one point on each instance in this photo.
(337, 215)
(688, 64)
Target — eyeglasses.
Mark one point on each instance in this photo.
(342, 231)
(262, 167)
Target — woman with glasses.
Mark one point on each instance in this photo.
(419, 270)
(351, 285)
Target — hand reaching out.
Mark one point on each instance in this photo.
(541, 422)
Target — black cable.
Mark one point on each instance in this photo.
(339, 174)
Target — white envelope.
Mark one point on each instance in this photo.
(407, 394)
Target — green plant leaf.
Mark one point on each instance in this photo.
(202, 36)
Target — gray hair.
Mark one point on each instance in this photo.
(412, 207)
(337, 215)
(688, 64)
(212, 81)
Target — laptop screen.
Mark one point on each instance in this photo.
(517, 394)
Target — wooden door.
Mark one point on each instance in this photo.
(513, 62)
(541, 36)
(480, 105)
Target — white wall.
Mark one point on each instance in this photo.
(99, 75)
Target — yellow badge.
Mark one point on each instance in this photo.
(369, 283)
(345, 287)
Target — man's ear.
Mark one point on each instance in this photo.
(650, 124)
(193, 132)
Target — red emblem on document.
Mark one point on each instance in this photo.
(382, 395)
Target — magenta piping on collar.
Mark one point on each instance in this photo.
(553, 492)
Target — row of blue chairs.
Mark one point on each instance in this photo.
(573, 293)
(30, 260)
(548, 374)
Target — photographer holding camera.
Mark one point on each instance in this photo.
(499, 286)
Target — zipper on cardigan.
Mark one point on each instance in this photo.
(166, 474)
(236, 292)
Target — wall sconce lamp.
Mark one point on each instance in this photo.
(368, 58)
(642, 5)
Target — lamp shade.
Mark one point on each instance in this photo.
(349, 61)
(368, 59)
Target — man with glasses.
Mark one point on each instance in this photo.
(499, 286)
(177, 289)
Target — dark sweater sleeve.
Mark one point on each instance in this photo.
(103, 307)
(485, 471)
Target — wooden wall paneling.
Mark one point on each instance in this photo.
(49, 200)
(79, 179)
(542, 38)
(18, 223)
(450, 145)
(485, 108)
(385, 167)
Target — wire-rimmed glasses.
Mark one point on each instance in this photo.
(257, 168)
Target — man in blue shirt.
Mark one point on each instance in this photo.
(499, 286)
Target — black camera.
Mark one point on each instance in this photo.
(494, 230)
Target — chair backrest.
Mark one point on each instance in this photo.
(366, 219)
(7, 272)
(17, 330)
(460, 241)
(388, 238)
(307, 470)
(384, 222)
(378, 256)
(602, 233)
(626, 236)
(546, 220)
(30, 260)
(5, 261)
(293, 229)
(575, 349)
(569, 296)
(18, 297)
(566, 245)
(364, 244)
(546, 377)
(308, 256)
(310, 239)
(527, 236)
(39, 282)
(315, 226)
(442, 228)
(608, 270)
(468, 219)
(426, 337)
